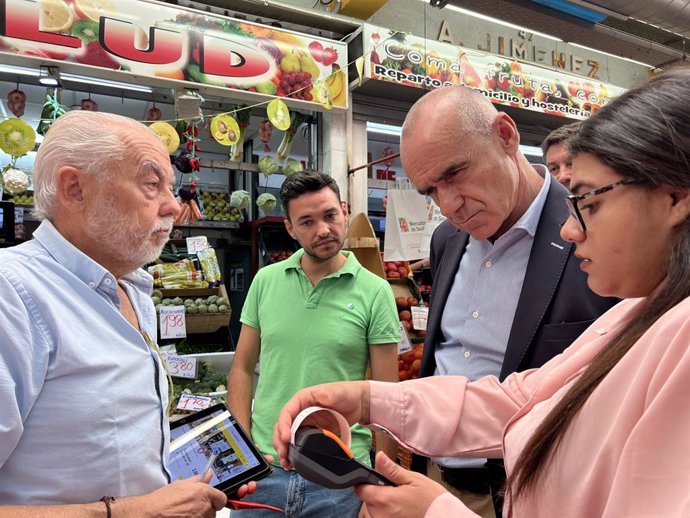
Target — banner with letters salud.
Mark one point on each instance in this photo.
(148, 38)
(413, 61)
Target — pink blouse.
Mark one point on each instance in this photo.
(626, 453)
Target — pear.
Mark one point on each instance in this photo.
(290, 63)
(309, 65)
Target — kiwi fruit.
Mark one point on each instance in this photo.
(278, 114)
(16, 137)
(85, 30)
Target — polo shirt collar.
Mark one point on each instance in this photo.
(350, 267)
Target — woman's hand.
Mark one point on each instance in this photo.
(349, 398)
(410, 499)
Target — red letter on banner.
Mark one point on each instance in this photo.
(22, 21)
(118, 37)
(221, 57)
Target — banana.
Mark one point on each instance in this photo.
(337, 85)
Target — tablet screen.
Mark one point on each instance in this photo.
(212, 441)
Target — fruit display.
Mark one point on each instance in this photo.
(279, 255)
(25, 200)
(192, 305)
(216, 207)
(410, 362)
(404, 305)
(396, 269)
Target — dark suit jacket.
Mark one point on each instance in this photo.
(555, 304)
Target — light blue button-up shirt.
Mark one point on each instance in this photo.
(82, 396)
(478, 315)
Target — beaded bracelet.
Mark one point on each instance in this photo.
(107, 500)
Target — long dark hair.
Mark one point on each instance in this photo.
(644, 134)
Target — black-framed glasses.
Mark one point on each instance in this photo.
(573, 199)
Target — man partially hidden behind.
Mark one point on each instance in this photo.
(508, 293)
(556, 153)
(316, 317)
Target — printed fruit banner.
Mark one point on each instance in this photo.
(412, 61)
(154, 39)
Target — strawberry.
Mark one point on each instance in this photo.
(94, 54)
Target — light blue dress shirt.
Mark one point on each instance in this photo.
(82, 397)
(481, 305)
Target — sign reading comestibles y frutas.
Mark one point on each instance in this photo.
(147, 38)
(413, 61)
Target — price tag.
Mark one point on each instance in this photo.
(404, 344)
(172, 322)
(196, 243)
(193, 403)
(419, 317)
(18, 215)
(180, 366)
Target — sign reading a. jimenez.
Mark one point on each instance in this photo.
(149, 38)
(416, 62)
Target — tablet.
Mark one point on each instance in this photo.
(212, 440)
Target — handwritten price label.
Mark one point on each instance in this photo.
(419, 317)
(18, 215)
(193, 403)
(196, 243)
(172, 322)
(180, 366)
(404, 344)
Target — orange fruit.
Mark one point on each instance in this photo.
(93, 9)
(55, 16)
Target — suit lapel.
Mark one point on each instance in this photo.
(544, 270)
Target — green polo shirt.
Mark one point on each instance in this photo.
(315, 334)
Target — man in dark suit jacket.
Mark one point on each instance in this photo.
(508, 293)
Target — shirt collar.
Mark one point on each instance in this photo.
(350, 267)
(80, 264)
(530, 219)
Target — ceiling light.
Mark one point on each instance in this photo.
(496, 20)
(106, 82)
(383, 129)
(49, 76)
(11, 69)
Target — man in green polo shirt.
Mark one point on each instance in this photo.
(316, 317)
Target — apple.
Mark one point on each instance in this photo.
(411, 301)
(401, 302)
(393, 275)
(402, 271)
(405, 315)
(316, 51)
(330, 56)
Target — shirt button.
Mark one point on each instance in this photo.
(467, 354)
(475, 314)
(92, 285)
(108, 281)
(489, 264)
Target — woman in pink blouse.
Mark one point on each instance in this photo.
(602, 430)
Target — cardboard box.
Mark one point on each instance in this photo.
(362, 241)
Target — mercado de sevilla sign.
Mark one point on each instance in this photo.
(413, 61)
(148, 38)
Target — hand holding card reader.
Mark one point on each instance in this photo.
(322, 457)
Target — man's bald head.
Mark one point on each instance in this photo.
(468, 110)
